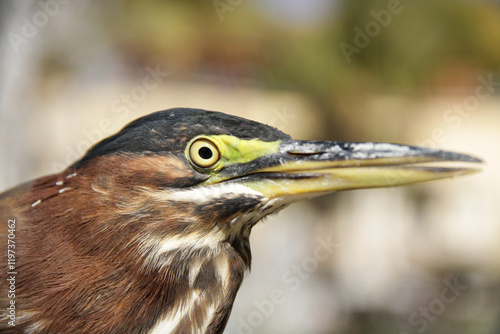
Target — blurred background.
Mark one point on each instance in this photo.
(417, 259)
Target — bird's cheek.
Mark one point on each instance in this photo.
(227, 208)
(149, 171)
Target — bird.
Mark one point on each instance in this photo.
(148, 232)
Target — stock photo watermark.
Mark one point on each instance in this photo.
(425, 315)
(453, 117)
(31, 26)
(363, 37)
(121, 106)
(223, 6)
(11, 272)
(281, 117)
(293, 279)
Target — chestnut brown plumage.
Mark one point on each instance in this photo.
(148, 232)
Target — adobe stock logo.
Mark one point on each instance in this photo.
(292, 279)
(454, 117)
(281, 117)
(31, 26)
(121, 107)
(427, 314)
(223, 6)
(363, 38)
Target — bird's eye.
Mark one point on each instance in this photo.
(204, 153)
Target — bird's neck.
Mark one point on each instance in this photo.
(206, 286)
(129, 272)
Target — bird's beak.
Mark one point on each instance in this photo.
(305, 168)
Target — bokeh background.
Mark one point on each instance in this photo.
(418, 259)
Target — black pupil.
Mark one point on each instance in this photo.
(205, 153)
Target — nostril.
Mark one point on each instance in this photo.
(303, 154)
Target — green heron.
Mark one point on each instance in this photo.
(149, 231)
